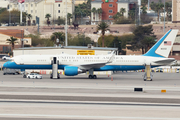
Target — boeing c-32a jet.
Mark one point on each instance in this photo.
(76, 64)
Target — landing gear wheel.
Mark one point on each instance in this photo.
(90, 76)
(58, 76)
(94, 76)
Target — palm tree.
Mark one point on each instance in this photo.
(132, 14)
(168, 8)
(94, 11)
(99, 11)
(29, 17)
(48, 16)
(58, 35)
(77, 12)
(157, 7)
(116, 16)
(143, 8)
(122, 11)
(24, 17)
(12, 41)
(103, 27)
(69, 16)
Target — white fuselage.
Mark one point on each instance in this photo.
(89, 59)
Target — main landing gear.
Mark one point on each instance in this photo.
(92, 76)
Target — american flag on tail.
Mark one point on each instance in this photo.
(167, 42)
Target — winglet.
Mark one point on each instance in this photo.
(163, 46)
(112, 57)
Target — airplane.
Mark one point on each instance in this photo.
(76, 64)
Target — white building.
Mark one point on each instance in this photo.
(39, 8)
(4, 3)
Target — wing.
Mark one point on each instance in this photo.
(93, 65)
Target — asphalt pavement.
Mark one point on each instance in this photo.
(79, 98)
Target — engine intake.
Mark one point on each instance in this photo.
(72, 70)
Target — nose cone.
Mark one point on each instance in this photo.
(8, 64)
(5, 65)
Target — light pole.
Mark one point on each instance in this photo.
(66, 43)
(23, 43)
(84, 39)
(9, 17)
(21, 13)
(148, 5)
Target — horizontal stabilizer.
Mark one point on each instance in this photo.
(165, 61)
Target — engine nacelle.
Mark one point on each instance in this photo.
(72, 70)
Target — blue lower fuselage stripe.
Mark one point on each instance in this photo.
(13, 65)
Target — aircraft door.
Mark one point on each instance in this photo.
(55, 63)
(54, 60)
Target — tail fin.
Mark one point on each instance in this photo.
(163, 46)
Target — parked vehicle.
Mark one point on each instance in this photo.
(159, 70)
(11, 71)
(6, 57)
(34, 75)
(177, 71)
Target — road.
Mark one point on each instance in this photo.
(79, 98)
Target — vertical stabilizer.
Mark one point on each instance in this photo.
(163, 46)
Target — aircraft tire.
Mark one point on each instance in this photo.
(24, 76)
(90, 76)
(94, 77)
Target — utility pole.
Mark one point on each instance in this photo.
(21, 14)
(148, 5)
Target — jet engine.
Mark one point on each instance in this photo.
(72, 71)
